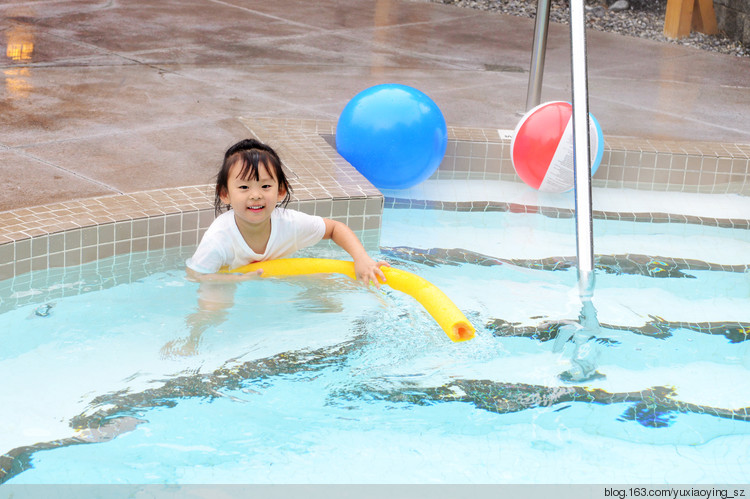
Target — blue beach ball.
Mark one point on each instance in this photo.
(392, 134)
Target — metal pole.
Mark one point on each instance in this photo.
(538, 50)
(581, 151)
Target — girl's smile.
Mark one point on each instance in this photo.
(253, 200)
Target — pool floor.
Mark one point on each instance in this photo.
(323, 381)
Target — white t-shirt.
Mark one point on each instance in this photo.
(223, 245)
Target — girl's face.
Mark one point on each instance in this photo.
(253, 201)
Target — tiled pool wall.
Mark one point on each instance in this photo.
(81, 231)
(630, 163)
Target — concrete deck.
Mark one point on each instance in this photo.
(104, 97)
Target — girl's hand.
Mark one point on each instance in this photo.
(248, 276)
(368, 270)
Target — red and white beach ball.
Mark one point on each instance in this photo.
(542, 147)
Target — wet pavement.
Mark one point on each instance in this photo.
(117, 96)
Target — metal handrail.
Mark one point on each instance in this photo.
(585, 355)
(581, 135)
(581, 148)
(538, 51)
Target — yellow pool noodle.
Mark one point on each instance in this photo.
(437, 304)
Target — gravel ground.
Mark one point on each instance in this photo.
(641, 18)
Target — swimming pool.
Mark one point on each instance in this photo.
(317, 380)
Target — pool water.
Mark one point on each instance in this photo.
(318, 380)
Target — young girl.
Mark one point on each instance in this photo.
(252, 183)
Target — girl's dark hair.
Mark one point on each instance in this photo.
(250, 153)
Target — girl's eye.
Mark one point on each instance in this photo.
(267, 186)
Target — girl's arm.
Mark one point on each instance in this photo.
(199, 277)
(365, 268)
